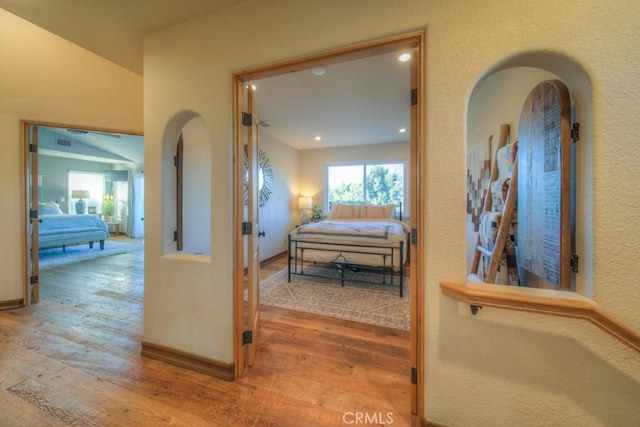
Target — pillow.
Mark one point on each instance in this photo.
(342, 211)
(49, 208)
(378, 211)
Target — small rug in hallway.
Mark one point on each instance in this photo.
(55, 257)
(360, 302)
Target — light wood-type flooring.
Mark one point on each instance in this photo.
(74, 359)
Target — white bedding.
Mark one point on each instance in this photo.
(355, 241)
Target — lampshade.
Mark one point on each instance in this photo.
(80, 194)
(304, 202)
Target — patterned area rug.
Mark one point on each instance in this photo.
(56, 257)
(360, 302)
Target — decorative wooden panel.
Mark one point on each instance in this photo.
(544, 185)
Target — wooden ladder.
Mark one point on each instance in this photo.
(495, 255)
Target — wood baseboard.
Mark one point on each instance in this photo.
(268, 260)
(11, 304)
(271, 259)
(214, 368)
(427, 423)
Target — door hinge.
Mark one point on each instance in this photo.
(247, 337)
(247, 119)
(414, 236)
(33, 148)
(575, 132)
(575, 262)
(176, 161)
(33, 280)
(247, 228)
(33, 213)
(414, 376)
(175, 236)
(414, 96)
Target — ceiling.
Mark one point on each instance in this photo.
(104, 147)
(113, 29)
(364, 101)
(358, 102)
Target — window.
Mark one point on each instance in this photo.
(92, 182)
(375, 183)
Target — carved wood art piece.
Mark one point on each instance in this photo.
(544, 187)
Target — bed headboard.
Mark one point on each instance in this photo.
(397, 208)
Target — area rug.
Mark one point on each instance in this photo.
(360, 302)
(56, 257)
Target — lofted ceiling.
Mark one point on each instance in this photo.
(363, 101)
(103, 147)
(113, 29)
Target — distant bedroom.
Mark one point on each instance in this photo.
(89, 192)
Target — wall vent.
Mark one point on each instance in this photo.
(63, 142)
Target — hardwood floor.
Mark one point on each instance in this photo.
(74, 359)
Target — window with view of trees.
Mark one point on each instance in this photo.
(375, 183)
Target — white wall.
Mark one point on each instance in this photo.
(44, 78)
(196, 188)
(279, 215)
(507, 367)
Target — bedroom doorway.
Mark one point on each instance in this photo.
(56, 159)
(415, 43)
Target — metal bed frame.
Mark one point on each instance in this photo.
(296, 248)
(343, 265)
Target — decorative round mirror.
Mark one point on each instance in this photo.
(265, 179)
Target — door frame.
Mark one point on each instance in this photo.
(29, 297)
(414, 41)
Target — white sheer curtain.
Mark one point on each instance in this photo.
(135, 228)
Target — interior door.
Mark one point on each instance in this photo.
(246, 224)
(253, 243)
(32, 285)
(415, 215)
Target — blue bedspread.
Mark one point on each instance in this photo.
(63, 229)
(57, 223)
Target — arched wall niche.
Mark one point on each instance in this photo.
(196, 185)
(498, 97)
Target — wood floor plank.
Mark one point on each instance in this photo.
(342, 327)
(74, 358)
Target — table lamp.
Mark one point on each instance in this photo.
(305, 203)
(81, 205)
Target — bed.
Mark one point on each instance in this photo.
(57, 229)
(353, 238)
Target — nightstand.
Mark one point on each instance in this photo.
(116, 228)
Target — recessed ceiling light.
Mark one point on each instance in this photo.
(317, 138)
(402, 130)
(319, 71)
(404, 57)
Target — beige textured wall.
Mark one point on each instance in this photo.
(499, 368)
(47, 79)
